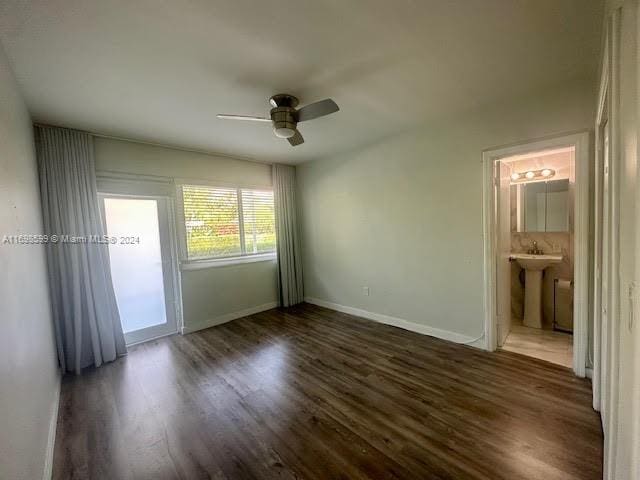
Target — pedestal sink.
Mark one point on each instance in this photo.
(533, 266)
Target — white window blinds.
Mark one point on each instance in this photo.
(227, 222)
(259, 221)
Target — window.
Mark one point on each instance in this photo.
(259, 221)
(227, 222)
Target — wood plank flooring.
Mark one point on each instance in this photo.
(309, 393)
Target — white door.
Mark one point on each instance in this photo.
(503, 267)
(141, 265)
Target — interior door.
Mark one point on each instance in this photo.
(141, 265)
(503, 267)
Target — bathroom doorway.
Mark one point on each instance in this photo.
(536, 255)
(539, 232)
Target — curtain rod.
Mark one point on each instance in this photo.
(162, 145)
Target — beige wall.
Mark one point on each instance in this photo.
(29, 378)
(144, 159)
(215, 292)
(404, 216)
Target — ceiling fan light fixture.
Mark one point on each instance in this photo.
(284, 116)
(284, 132)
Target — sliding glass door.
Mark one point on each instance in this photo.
(141, 264)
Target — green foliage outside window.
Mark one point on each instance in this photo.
(212, 221)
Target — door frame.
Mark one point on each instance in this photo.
(580, 141)
(502, 174)
(132, 186)
(602, 115)
(606, 356)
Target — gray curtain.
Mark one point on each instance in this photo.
(289, 255)
(87, 323)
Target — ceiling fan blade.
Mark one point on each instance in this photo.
(318, 109)
(224, 116)
(296, 139)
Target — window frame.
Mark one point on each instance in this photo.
(207, 262)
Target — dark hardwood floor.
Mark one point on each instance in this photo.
(314, 394)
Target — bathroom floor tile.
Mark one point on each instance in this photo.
(554, 347)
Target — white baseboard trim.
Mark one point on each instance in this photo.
(401, 323)
(51, 438)
(227, 317)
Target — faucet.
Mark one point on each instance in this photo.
(534, 250)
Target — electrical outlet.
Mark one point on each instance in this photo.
(365, 291)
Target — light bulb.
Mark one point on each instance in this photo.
(515, 176)
(546, 172)
(530, 175)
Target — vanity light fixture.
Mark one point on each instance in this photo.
(532, 175)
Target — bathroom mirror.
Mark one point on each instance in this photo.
(540, 206)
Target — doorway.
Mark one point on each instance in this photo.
(535, 233)
(142, 264)
(536, 249)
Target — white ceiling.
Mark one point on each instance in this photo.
(160, 70)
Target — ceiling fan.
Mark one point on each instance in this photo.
(285, 117)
